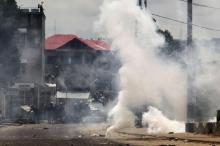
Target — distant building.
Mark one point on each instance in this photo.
(29, 89)
(30, 39)
(26, 94)
(77, 64)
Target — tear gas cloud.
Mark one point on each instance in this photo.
(149, 80)
(146, 79)
(157, 122)
(203, 67)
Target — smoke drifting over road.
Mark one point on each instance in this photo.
(203, 68)
(157, 122)
(146, 79)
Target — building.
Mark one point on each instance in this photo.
(22, 95)
(78, 64)
(30, 39)
(29, 89)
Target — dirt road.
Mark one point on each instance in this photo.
(139, 137)
(94, 135)
(53, 135)
(44, 142)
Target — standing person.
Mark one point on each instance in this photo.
(43, 112)
(56, 115)
(60, 112)
(50, 113)
(1, 116)
(36, 114)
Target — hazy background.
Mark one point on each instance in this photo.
(77, 16)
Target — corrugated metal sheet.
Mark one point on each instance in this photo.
(72, 95)
(57, 41)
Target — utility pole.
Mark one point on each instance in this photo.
(145, 4)
(191, 97)
(142, 4)
(189, 22)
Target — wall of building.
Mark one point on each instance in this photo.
(31, 40)
(76, 67)
(2, 103)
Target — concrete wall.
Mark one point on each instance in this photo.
(31, 40)
(2, 102)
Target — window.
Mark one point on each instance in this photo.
(51, 60)
(77, 58)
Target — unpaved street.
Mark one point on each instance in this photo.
(94, 135)
(53, 135)
(44, 142)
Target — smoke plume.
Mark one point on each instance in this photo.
(146, 79)
(203, 67)
(157, 122)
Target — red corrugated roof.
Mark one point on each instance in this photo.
(56, 41)
(98, 44)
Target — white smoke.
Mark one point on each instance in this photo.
(146, 79)
(158, 123)
(214, 119)
(204, 62)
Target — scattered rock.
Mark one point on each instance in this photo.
(166, 145)
(171, 133)
(186, 140)
(95, 135)
(103, 143)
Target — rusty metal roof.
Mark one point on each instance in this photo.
(57, 41)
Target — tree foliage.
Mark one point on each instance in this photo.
(9, 55)
(171, 45)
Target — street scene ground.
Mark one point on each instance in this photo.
(109, 73)
(94, 135)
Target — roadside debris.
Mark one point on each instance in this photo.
(95, 135)
(166, 145)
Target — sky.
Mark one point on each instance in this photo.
(78, 16)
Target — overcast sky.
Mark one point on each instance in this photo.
(77, 16)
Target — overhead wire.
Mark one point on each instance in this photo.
(179, 21)
(202, 5)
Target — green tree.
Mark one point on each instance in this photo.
(171, 45)
(9, 54)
